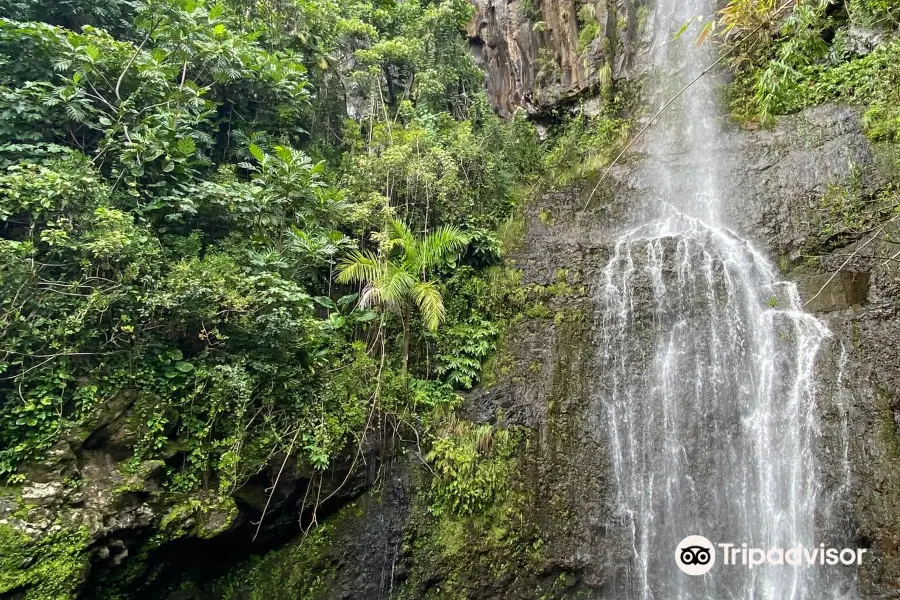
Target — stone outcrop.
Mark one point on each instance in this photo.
(829, 292)
(86, 505)
(90, 522)
(776, 182)
(539, 54)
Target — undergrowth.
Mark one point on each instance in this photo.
(583, 146)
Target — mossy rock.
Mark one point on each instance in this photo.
(300, 570)
(49, 567)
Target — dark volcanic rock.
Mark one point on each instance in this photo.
(533, 54)
(775, 181)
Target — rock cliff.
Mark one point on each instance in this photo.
(558, 535)
(539, 55)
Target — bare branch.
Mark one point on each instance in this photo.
(849, 258)
(131, 60)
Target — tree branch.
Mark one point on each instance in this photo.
(131, 60)
(849, 258)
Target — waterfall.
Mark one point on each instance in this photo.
(708, 364)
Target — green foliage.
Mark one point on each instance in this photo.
(802, 46)
(583, 146)
(784, 62)
(113, 15)
(472, 464)
(433, 398)
(770, 48)
(397, 277)
(435, 169)
(56, 564)
(869, 80)
(299, 571)
(875, 13)
(454, 555)
(178, 182)
(151, 114)
(530, 10)
(479, 309)
(587, 35)
(591, 29)
(464, 348)
(845, 213)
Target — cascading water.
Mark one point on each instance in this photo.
(708, 366)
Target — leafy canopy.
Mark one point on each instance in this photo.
(179, 181)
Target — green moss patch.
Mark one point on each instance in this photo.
(52, 567)
(300, 570)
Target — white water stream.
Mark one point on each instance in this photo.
(708, 366)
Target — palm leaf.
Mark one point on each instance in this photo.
(360, 267)
(395, 284)
(431, 305)
(371, 296)
(400, 235)
(400, 231)
(442, 243)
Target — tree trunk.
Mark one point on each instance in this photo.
(405, 319)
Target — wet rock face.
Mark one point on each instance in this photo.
(860, 305)
(538, 54)
(548, 387)
(88, 506)
(355, 554)
(826, 293)
(79, 489)
(781, 203)
(775, 181)
(778, 178)
(101, 507)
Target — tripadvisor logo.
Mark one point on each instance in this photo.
(696, 555)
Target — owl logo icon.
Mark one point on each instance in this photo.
(695, 555)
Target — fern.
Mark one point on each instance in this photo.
(463, 350)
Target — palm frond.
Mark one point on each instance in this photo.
(360, 267)
(371, 297)
(431, 304)
(400, 235)
(441, 244)
(395, 283)
(401, 232)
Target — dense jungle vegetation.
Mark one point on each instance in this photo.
(269, 229)
(247, 217)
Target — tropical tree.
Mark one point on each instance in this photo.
(398, 277)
